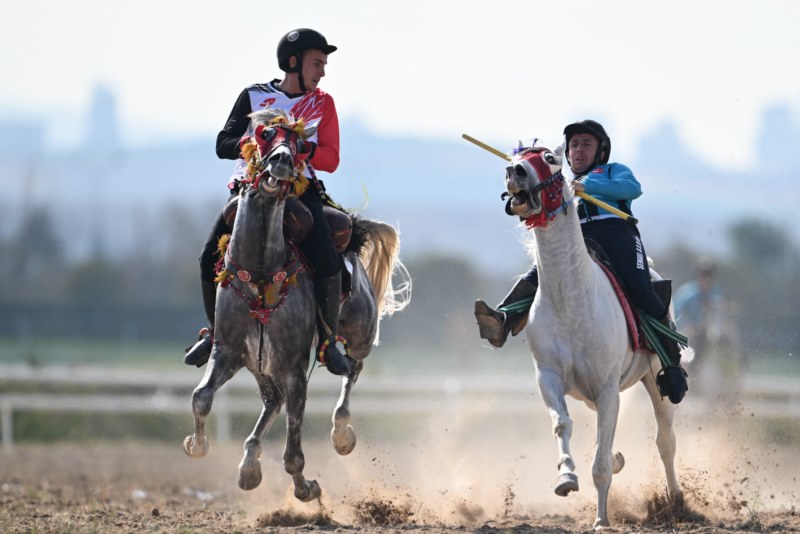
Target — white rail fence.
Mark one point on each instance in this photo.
(170, 392)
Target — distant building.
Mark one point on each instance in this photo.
(102, 131)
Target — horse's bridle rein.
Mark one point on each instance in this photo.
(553, 189)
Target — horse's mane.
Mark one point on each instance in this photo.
(266, 116)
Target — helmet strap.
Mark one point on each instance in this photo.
(299, 70)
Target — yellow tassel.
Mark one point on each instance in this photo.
(248, 149)
(271, 294)
(222, 276)
(222, 246)
(250, 155)
(300, 184)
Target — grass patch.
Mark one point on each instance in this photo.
(94, 351)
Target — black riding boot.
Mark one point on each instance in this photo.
(671, 380)
(328, 292)
(495, 325)
(199, 353)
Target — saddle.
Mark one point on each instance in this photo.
(346, 232)
(298, 221)
(663, 289)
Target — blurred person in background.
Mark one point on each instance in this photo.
(704, 314)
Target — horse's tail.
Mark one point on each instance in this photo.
(380, 256)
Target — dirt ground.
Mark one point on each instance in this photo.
(464, 469)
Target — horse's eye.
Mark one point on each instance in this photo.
(267, 134)
(550, 158)
(520, 171)
(301, 146)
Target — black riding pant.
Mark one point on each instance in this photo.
(621, 242)
(210, 254)
(318, 247)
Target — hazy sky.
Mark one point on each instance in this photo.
(498, 70)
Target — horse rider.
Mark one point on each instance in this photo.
(697, 300)
(302, 56)
(588, 147)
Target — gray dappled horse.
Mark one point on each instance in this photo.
(577, 331)
(266, 312)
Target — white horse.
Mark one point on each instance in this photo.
(577, 331)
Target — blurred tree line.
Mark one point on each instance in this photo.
(152, 292)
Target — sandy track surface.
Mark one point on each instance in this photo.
(462, 468)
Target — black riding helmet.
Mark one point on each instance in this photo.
(295, 43)
(596, 129)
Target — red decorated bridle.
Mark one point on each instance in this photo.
(276, 143)
(548, 194)
(552, 201)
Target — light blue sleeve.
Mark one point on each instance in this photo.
(616, 182)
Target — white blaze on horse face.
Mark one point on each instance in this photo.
(280, 164)
(520, 179)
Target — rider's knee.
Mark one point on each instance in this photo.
(208, 263)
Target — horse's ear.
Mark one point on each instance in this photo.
(309, 132)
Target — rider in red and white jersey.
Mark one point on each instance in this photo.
(303, 56)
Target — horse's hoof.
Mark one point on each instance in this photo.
(191, 448)
(309, 491)
(249, 474)
(618, 462)
(566, 482)
(343, 439)
(249, 480)
(601, 524)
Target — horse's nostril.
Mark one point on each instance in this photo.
(280, 157)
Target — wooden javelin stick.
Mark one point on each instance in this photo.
(589, 198)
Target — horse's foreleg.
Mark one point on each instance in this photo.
(219, 370)
(250, 466)
(605, 463)
(343, 437)
(665, 437)
(551, 388)
(293, 458)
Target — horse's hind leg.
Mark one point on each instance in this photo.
(605, 463)
(343, 437)
(552, 389)
(219, 370)
(293, 458)
(250, 466)
(665, 437)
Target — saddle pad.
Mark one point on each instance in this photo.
(631, 318)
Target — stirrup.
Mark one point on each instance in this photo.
(199, 353)
(671, 383)
(329, 356)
